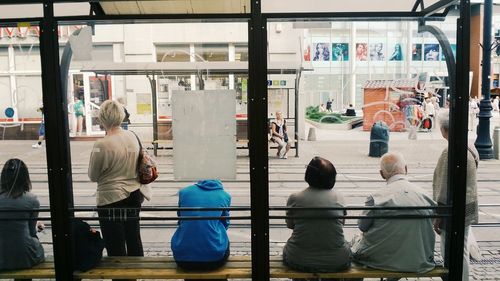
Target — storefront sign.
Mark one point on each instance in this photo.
(25, 30)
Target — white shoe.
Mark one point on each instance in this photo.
(284, 157)
(36, 145)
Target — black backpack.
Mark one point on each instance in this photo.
(87, 245)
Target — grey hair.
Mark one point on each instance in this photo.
(392, 163)
(111, 114)
(444, 120)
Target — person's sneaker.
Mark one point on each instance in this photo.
(36, 145)
(284, 156)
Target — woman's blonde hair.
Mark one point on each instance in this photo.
(111, 114)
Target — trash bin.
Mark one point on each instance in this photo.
(496, 142)
(379, 139)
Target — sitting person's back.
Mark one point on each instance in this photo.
(19, 245)
(397, 244)
(202, 244)
(350, 111)
(317, 245)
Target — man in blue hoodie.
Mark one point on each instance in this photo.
(202, 244)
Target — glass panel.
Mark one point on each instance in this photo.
(200, 114)
(298, 6)
(364, 69)
(176, 7)
(22, 153)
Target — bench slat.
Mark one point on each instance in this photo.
(354, 272)
(223, 273)
(29, 273)
(165, 267)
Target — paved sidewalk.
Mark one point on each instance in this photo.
(348, 150)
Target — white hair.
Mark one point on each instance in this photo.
(444, 119)
(111, 114)
(392, 163)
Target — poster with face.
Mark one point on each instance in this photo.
(377, 52)
(431, 52)
(416, 52)
(361, 51)
(321, 52)
(453, 50)
(340, 51)
(397, 53)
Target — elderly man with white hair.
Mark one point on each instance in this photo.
(396, 244)
(440, 191)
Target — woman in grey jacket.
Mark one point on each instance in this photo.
(317, 245)
(19, 245)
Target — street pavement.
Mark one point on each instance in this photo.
(358, 176)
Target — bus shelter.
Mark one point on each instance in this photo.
(257, 14)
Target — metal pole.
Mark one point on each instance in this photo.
(457, 148)
(58, 148)
(258, 128)
(152, 82)
(296, 111)
(483, 141)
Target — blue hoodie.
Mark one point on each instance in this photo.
(202, 240)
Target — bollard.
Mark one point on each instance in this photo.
(496, 142)
(311, 136)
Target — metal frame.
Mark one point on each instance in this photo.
(58, 149)
(58, 153)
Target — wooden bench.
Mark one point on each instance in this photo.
(165, 268)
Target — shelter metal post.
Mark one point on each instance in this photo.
(296, 129)
(258, 150)
(457, 148)
(152, 82)
(58, 148)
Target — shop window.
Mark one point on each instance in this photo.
(212, 52)
(4, 59)
(5, 100)
(241, 52)
(173, 53)
(29, 96)
(27, 57)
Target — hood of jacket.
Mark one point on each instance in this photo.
(210, 184)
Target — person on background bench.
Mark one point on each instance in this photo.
(19, 244)
(280, 135)
(440, 191)
(405, 245)
(350, 111)
(202, 244)
(317, 245)
(113, 165)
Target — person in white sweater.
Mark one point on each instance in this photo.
(113, 165)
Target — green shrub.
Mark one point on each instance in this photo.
(313, 114)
